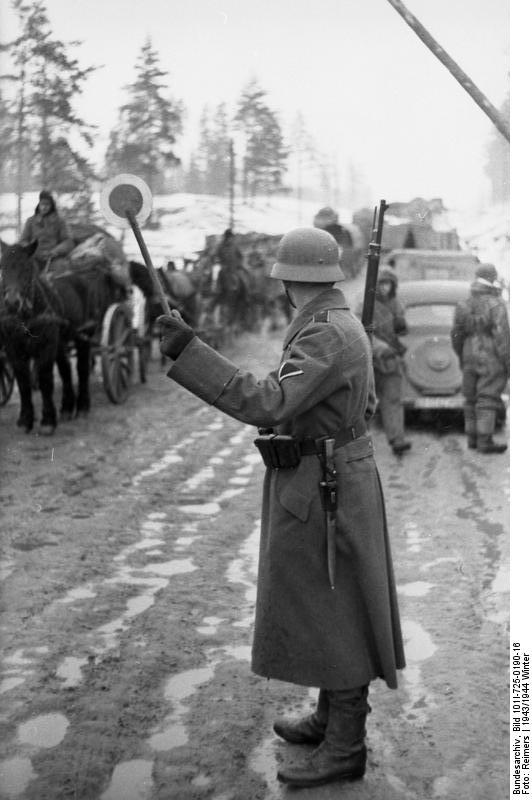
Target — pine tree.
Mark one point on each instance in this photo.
(7, 146)
(303, 155)
(209, 166)
(46, 79)
(217, 173)
(149, 126)
(202, 153)
(193, 176)
(265, 153)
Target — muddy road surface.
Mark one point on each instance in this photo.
(129, 546)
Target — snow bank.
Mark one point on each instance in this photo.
(487, 235)
(186, 219)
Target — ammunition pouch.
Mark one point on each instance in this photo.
(285, 452)
(277, 451)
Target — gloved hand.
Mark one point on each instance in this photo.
(175, 334)
(381, 349)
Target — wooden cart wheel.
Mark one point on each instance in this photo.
(117, 352)
(7, 380)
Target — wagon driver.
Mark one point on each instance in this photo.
(306, 632)
(49, 230)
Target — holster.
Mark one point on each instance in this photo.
(278, 451)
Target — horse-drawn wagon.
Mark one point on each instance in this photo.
(122, 335)
(236, 293)
(98, 306)
(80, 307)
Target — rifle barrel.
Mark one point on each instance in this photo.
(373, 256)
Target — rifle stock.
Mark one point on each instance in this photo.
(373, 256)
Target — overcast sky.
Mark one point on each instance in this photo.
(370, 91)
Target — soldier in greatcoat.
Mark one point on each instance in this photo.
(337, 639)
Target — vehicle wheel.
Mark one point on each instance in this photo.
(117, 352)
(7, 380)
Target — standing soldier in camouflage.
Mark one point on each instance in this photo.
(306, 632)
(481, 339)
(389, 324)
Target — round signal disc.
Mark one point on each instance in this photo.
(122, 194)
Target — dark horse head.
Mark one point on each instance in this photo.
(19, 272)
(30, 331)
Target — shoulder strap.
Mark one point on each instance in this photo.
(322, 316)
(325, 314)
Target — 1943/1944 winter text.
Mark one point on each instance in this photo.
(520, 719)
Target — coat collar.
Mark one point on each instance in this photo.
(481, 286)
(330, 298)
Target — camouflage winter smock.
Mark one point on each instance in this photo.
(481, 331)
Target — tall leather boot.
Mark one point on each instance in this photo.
(306, 730)
(485, 429)
(470, 426)
(342, 754)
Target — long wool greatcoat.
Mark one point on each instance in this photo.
(305, 632)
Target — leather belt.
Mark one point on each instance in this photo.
(311, 447)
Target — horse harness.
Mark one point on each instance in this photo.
(53, 307)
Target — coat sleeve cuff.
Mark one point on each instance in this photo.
(202, 370)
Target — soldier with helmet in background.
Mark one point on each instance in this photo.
(327, 220)
(326, 612)
(481, 339)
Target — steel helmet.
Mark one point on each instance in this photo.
(325, 216)
(487, 272)
(387, 275)
(308, 255)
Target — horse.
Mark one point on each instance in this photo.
(180, 290)
(232, 295)
(268, 300)
(39, 319)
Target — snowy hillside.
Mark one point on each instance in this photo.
(487, 235)
(185, 221)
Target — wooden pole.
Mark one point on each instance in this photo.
(147, 260)
(465, 82)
